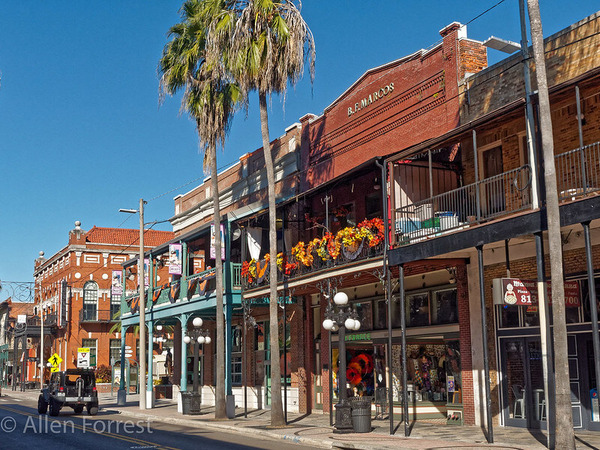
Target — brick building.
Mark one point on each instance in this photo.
(471, 194)
(73, 292)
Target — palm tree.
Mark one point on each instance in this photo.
(268, 43)
(565, 437)
(209, 98)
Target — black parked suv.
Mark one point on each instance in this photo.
(75, 388)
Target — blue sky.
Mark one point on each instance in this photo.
(81, 130)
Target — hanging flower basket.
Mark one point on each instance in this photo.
(352, 251)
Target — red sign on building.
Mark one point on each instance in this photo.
(513, 291)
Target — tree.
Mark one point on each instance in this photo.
(565, 437)
(268, 43)
(209, 98)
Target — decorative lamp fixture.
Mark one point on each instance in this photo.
(340, 316)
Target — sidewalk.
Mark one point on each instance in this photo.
(314, 430)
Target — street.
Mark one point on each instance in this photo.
(22, 426)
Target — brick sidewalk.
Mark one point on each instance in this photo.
(314, 430)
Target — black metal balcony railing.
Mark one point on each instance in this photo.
(487, 199)
(297, 268)
(50, 320)
(578, 174)
(92, 315)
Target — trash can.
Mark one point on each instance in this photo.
(361, 414)
(190, 403)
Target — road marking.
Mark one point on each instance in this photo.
(91, 430)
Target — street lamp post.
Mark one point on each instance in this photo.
(200, 337)
(142, 288)
(341, 317)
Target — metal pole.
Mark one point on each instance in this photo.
(285, 408)
(41, 358)
(593, 300)
(244, 364)
(142, 310)
(196, 350)
(330, 362)
(545, 342)
(486, 364)
(390, 382)
(529, 123)
(245, 321)
(477, 192)
(581, 154)
(404, 368)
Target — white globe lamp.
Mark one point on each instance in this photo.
(197, 322)
(349, 324)
(207, 340)
(187, 339)
(340, 299)
(201, 340)
(335, 327)
(357, 324)
(328, 324)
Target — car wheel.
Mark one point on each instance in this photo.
(78, 409)
(54, 407)
(92, 410)
(42, 405)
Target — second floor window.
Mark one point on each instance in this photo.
(90, 300)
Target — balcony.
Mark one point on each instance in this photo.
(503, 195)
(350, 245)
(98, 316)
(193, 287)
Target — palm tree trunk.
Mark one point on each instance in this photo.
(220, 408)
(565, 437)
(277, 418)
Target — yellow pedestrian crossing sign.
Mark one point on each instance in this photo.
(55, 360)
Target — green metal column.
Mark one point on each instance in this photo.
(228, 295)
(183, 318)
(122, 381)
(150, 382)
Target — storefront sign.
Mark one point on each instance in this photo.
(513, 291)
(358, 337)
(371, 98)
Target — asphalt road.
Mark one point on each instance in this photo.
(22, 427)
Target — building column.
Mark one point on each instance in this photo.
(122, 393)
(183, 319)
(150, 381)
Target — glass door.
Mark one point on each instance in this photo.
(524, 402)
(514, 382)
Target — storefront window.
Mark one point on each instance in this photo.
(433, 372)
(509, 316)
(585, 294)
(444, 308)
(418, 310)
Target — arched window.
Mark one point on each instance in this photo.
(90, 302)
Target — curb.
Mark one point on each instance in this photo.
(231, 428)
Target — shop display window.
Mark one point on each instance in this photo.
(433, 372)
(360, 375)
